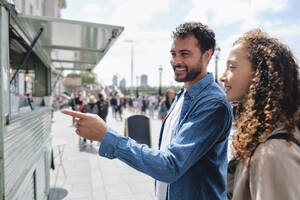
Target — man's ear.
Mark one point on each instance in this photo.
(206, 56)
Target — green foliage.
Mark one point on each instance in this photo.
(88, 78)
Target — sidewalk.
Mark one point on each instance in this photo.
(91, 177)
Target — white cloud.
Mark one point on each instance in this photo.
(269, 5)
(197, 14)
(132, 13)
(94, 8)
(286, 31)
(228, 12)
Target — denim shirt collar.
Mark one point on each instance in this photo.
(196, 88)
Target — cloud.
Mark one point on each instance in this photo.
(286, 31)
(95, 8)
(269, 5)
(132, 13)
(221, 13)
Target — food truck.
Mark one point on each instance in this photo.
(32, 48)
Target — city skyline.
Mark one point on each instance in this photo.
(150, 24)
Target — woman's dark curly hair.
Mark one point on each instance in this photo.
(273, 96)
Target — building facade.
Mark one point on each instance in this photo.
(115, 80)
(49, 8)
(123, 83)
(144, 80)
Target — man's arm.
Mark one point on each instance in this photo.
(195, 138)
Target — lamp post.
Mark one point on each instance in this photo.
(131, 85)
(160, 69)
(137, 87)
(217, 52)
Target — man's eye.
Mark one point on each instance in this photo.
(184, 54)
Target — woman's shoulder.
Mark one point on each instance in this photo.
(274, 149)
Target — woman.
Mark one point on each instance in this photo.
(166, 104)
(263, 76)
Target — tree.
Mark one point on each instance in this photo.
(88, 78)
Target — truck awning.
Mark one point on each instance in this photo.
(70, 45)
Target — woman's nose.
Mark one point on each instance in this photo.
(222, 78)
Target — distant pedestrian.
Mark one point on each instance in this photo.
(151, 106)
(165, 104)
(113, 104)
(144, 105)
(102, 107)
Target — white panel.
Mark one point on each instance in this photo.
(4, 89)
(27, 140)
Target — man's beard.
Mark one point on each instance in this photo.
(190, 75)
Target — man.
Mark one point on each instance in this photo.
(191, 162)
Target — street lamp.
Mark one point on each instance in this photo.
(160, 69)
(217, 52)
(137, 87)
(131, 87)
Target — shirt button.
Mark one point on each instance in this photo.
(193, 97)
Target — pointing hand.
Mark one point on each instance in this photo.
(89, 126)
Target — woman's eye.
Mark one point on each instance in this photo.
(231, 67)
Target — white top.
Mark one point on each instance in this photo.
(169, 128)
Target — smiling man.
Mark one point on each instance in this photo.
(191, 162)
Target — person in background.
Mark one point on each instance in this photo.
(102, 107)
(165, 104)
(144, 105)
(191, 162)
(152, 102)
(263, 76)
(119, 107)
(113, 104)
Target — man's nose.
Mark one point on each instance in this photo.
(176, 61)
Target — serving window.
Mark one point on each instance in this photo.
(29, 82)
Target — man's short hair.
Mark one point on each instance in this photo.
(204, 35)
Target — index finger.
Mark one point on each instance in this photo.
(74, 113)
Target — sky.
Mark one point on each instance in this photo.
(150, 24)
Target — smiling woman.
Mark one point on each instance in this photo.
(238, 74)
(263, 76)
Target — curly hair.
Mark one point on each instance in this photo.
(204, 35)
(273, 96)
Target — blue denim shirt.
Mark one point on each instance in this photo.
(195, 163)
